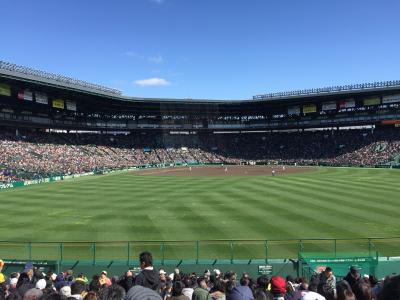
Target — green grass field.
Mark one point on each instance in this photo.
(328, 203)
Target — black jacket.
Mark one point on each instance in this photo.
(148, 278)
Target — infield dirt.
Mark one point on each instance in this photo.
(228, 170)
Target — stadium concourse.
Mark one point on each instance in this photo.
(149, 283)
(35, 154)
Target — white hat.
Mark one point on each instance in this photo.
(13, 280)
(54, 276)
(217, 272)
(41, 284)
(66, 291)
(162, 272)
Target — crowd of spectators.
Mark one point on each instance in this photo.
(33, 155)
(149, 283)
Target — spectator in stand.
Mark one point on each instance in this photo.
(278, 287)
(148, 277)
(352, 276)
(390, 289)
(113, 292)
(177, 294)
(362, 290)
(104, 280)
(189, 283)
(201, 292)
(327, 287)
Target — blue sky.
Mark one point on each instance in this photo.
(206, 48)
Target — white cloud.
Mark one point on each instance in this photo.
(156, 59)
(152, 82)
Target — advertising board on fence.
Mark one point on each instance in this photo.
(349, 103)
(329, 105)
(41, 98)
(309, 108)
(391, 99)
(5, 89)
(372, 101)
(58, 103)
(294, 110)
(25, 95)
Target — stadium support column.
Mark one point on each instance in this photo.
(16, 132)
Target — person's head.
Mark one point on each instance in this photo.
(177, 288)
(220, 286)
(263, 281)
(145, 259)
(90, 296)
(113, 292)
(354, 272)
(162, 274)
(362, 290)
(390, 289)
(103, 274)
(278, 285)
(328, 272)
(201, 282)
(244, 281)
(77, 288)
(343, 290)
(95, 285)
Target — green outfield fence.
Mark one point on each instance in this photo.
(194, 252)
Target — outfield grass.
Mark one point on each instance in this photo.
(328, 203)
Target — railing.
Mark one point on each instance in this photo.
(331, 89)
(59, 78)
(194, 252)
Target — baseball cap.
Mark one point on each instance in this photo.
(278, 285)
(162, 272)
(104, 272)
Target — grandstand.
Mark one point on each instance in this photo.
(44, 113)
(56, 128)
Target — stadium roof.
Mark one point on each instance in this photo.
(353, 88)
(61, 81)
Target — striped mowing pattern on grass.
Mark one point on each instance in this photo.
(328, 203)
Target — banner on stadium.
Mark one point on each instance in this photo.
(71, 105)
(41, 98)
(350, 103)
(5, 90)
(391, 99)
(294, 110)
(58, 103)
(25, 95)
(309, 108)
(329, 105)
(372, 101)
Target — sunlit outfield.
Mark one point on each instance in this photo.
(337, 203)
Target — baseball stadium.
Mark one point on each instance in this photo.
(280, 183)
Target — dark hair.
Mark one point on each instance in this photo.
(177, 288)
(263, 281)
(343, 290)
(328, 269)
(113, 292)
(146, 258)
(53, 296)
(362, 290)
(95, 285)
(90, 296)
(220, 286)
(390, 289)
(77, 287)
(244, 281)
